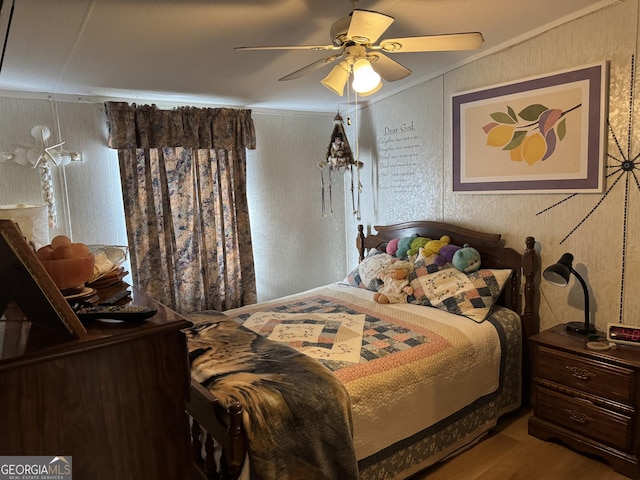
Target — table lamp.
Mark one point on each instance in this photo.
(558, 275)
(33, 221)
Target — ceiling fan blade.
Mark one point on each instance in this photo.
(432, 43)
(292, 47)
(311, 67)
(387, 68)
(367, 26)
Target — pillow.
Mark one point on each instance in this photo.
(365, 275)
(425, 265)
(471, 295)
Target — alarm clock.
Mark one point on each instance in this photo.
(623, 334)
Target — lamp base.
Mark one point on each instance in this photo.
(579, 327)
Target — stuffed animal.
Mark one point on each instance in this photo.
(467, 259)
(416, 244)
(396, 283)
(434, 246)
(392, 246)
(404, 244)
(445, 255)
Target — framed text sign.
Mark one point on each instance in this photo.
(542, 134)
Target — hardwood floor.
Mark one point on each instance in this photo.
(511, 453)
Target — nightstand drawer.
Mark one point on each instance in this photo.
(608, 381)
(597, 423)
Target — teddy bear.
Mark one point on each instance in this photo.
(392, 246)
(467, 259)
(434, 246)
(404, 244)
(395, 288)
(445, 255)
(416, 244)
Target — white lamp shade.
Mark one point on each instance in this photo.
(337, 78)
(33, 221)
(373, 90)
(365, 78)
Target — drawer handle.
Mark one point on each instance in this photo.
(577, 416)
(580, 373)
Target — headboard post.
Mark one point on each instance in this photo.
(360, 242)
(530, 268)
(530, 316)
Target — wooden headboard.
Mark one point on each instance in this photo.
(493, 252)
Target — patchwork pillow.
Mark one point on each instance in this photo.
(365, 275)
(471, 295)
(425, 265)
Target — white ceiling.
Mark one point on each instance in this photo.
(182, 51)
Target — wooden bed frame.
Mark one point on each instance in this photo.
(210, 420)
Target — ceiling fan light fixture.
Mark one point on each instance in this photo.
(358, 39)
(365, 78)
(372, 91)
(337, 78)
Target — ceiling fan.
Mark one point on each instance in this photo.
(355, 42)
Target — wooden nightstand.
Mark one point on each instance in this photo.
(587, 399)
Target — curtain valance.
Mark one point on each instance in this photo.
(146, 126)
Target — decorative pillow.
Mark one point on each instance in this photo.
(425, 265)
(365, 275)
(471, 295)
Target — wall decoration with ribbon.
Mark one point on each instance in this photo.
(340, 157)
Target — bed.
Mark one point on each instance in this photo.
(381, 391)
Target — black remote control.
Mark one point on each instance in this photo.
(130, 313)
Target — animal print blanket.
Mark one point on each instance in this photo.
(292, 434)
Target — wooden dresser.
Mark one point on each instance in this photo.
(590, 400)
(113, 400)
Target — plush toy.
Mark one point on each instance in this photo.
(396, 283)
(445, 255)
(433, 247)
(416, 244)
(467, 259)
(404, 244)
(392, 246)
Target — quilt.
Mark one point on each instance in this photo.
(421, 382)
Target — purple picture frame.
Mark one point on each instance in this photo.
(561, 150)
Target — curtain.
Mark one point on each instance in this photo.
(183, 175)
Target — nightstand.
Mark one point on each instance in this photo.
(587, 399)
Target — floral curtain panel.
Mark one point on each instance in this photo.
(183, 175)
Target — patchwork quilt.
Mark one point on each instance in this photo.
(420, 383)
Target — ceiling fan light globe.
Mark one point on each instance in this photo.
(372, 91)
(337, 79)
(365, 77)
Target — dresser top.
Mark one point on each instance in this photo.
(23, 342)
